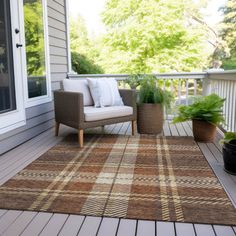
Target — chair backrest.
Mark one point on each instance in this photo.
(79, 86)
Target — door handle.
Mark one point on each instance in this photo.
(19, 45)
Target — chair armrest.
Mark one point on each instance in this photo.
(69, 108)
(129, 98)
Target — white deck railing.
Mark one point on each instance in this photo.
(224, 84)
(185, 86)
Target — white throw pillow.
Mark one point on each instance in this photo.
(105, 92)
(79, 86)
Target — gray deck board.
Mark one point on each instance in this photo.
(90, 226)
(7, 219)
(224, 178)
(72, 225)
(203, 230)
(22, 148)
(165, 228)
(215, 151)
(219, 136)
(34, 223)
(145, 228)
(180, 129)
(166, 129)
(13, 161)
(233, 177)
(116, 129)
(207, 153)
(109, 128)
(37, 224)
(173, 129)
(23, 159)
(129, 130)
(20, 223)
(127, 227)
(184, 229)
(54, 225)
(2, 212)
(224, 230)
(108, 227)
(227, 183)
(187, 129)
(20, 164)
(124, 128)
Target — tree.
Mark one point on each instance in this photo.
(34, 37)
(82, 65)
(83, 51)
(145, 36)
(228, 34)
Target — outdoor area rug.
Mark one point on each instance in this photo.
(136, 177)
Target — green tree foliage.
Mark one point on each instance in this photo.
(228, 34)
(83, 52)
(34, 36)
(146, 36)
(82, 65)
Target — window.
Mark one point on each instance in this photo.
(36, 49)
(7, 88)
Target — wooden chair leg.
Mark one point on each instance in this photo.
(57, 128)
(134, 125)
(81, 137)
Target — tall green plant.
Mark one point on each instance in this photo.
(151, 93)
(134, 80)
(208, 108)
(228, 137)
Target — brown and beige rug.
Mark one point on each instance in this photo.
(145, 177)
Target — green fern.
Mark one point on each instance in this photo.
(229, 136)
(208, 108)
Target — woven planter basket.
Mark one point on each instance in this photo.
(203, 131)
(150, 118)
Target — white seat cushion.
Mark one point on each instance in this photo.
(93, 113)
(105, 92)
(79, 86)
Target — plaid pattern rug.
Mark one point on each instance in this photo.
(142, 177)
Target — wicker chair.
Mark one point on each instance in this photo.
(70, 111)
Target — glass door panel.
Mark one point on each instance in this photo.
(35, 48)
(7, 88)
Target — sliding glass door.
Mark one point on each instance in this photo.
(12, 112)
(7, 86)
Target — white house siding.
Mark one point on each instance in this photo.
(40, 118)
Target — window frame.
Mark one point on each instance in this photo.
(30, 102)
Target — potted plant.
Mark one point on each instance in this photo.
(206, 113)
(151, 101)
(229, 152)
(134, 80)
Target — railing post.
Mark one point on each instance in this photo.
(206, 85)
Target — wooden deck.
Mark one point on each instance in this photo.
(27, 223)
